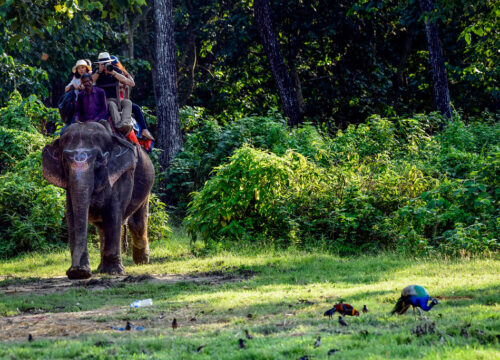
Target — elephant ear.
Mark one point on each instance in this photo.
(123, 157)
(52, 169)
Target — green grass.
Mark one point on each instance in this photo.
(282, 327)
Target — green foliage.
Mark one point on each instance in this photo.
(32, 211)
(28, 114)
(384, 184)
(15, 75)
(16, 145)
(158, 220)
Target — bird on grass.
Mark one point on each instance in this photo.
(344, 309)
(332, 351)
(200, 348)
(342, 322)
(318, 342)
(365, 309)
(174, 324)
(247, 335)
(416, 296)
(242, 344)
(128, 327)
(30, 337)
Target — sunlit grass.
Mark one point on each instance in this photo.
(283, 327)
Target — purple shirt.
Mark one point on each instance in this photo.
(91, 106)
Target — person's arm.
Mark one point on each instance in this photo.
(95, 75)
(129, 81)
(70, 86)
(104, 106)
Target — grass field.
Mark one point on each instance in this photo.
(212, 296)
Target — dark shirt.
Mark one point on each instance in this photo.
(91, 106)
(105, 80)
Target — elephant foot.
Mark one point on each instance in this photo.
(79, 272)
(140, 256)
(111, 269)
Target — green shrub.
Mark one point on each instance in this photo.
(16, 145)
(158, 228)
(385, 184)
(28, 114)
(32, 211)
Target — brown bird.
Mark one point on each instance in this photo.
(242, 344)
(342, 322)
(128, 327)
(174, 324)
(247, 335)
(365, 309)
(30, 337)
(318, 342)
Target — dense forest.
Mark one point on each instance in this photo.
(350, 125)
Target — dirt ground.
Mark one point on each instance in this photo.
(42, 324)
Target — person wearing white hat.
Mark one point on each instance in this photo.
(81, 67)
(106, 79)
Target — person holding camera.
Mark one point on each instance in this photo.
(107, 77)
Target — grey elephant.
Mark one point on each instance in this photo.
(108, 182)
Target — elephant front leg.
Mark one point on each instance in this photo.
(111, 260)
(80, 267)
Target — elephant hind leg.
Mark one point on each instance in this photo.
(138, 226)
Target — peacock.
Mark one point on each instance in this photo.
(344, 309)
(416, 296)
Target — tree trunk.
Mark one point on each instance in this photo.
(436, 60)
(281, 76)
(169, 126)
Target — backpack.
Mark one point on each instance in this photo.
(67, 105)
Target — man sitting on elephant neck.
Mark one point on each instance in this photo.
(91, 104)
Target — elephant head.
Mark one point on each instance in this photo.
(86, 161)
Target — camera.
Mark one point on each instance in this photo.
(110, 67)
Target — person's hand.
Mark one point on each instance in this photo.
(81, 87)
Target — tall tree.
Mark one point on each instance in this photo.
(436, 60)
(281, 76)
(165, 80)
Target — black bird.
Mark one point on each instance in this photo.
(247, 335)
(332, 351)
(200, 348)
(318, 342)
(305, 357)
(249, 316)
(242, 344)
(174, 324)
(365, 309)
(342, 322)
(30, 337)
(128, 327)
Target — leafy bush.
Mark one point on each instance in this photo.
(208, 144)
(385, 184)
(32, 210)
(158, 220)
(16, 145)
(28, 114)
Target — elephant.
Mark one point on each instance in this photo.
(108, 182)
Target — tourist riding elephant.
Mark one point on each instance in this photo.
(108, 181)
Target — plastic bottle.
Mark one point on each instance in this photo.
(141, 303)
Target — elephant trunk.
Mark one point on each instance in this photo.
(81, 186)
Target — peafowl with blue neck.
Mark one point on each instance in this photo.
(416, 296)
